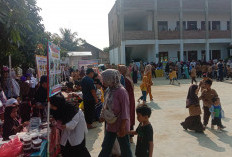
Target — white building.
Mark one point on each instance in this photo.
(178, 30)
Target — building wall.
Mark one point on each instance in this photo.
(193, 10)
(113, 23)
(114, 57)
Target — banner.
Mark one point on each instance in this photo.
(54, 69)
(41, 65)
(86, 63)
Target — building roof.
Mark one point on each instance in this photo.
(89, 47)
(77, 54)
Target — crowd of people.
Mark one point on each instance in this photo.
(215, 69)
(107, 95)
(87, 96)
(211, 107)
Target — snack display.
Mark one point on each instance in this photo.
(37, 143)
(34, 136)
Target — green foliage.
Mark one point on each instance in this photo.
(22, 35)
(68, 41)
(106, 49)
(20, 31)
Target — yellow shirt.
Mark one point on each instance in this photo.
(172, 75)
(143, 86)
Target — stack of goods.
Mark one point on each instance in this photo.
(36, 144)
(27, 143)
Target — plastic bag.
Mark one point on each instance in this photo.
(12, 148)
(116, 148)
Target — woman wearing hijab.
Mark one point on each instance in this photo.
(71, 121)
(130, 89)
(116, 113)
(11, 125)
(148, 73)
(12, 86)
(193, 122)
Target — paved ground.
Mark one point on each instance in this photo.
(170, 140)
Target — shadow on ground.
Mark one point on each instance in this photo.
(154, 105)
(206, 142)
(226, 119)
(93, 135)
(223, 137)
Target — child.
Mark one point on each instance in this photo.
(173, 77)
(216, 114)
(193, 75)
(144, 146)
(143, 88)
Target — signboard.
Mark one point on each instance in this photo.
(41, 65)
(54, 69)
(86, 63)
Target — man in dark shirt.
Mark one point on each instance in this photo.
(41, 98)
(89, 97)
(41, 93)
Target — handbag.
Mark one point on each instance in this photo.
(109, 116)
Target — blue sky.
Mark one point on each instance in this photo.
(89, 18)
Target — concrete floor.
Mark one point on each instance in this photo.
(168, 110)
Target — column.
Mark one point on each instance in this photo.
(181, 32)
(199, 57)
(207, 30)
(123, 53)
(156, 53)
(230, 22)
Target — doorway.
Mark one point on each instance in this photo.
(216, 54)
(192, 55)
(163, 56)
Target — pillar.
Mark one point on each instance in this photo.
(121, 19)
(156, 52)
(207, 30)
(123, 53)
(230, 22)
(181, 32)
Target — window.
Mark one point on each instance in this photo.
(216, 25)
(178, 25)
(216, 54)
(162, 26)
(228, 25)
(192, 25)
(203, 25)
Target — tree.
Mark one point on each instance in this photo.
(106, 49)
(21, 31)
(68, 41)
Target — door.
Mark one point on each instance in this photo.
(192, 55)
(163, 56)
(216, 54)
